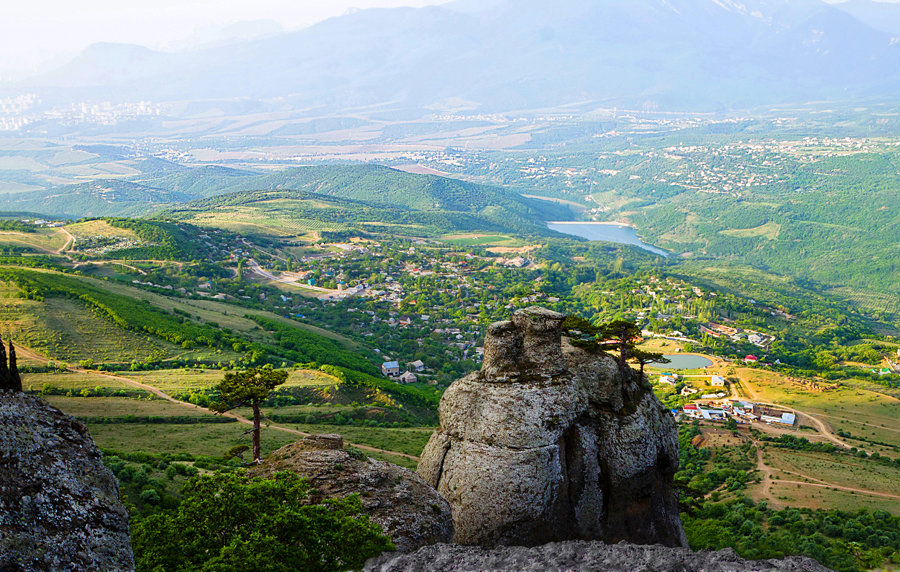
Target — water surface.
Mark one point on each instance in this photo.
(607, 232)
(684, 361)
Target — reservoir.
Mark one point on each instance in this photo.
(684, 361)
(605, 231)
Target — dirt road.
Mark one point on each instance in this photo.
(26, 352)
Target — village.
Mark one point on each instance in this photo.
(720, 406)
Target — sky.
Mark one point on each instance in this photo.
(42, 34)
(37, 35)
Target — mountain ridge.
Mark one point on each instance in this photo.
(714, 54)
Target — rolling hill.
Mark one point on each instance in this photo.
(334, 193)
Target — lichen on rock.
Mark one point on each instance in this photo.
(552, 442)
(59, 506)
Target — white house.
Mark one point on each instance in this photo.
(417, 366)
(667, 379)
(717, 381)
(391, 368)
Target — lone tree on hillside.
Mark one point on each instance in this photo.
(9, 374)
(248, 388)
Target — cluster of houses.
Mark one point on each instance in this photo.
(391, 369)
(743, 412)
(736, 334)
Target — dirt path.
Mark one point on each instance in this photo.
(820, 425)
(854, 421)
(70, 241)
(768, 481)
(762, 467)
(23, 351)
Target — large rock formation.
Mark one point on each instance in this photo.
(577, 555)
(59, 506)
(552, 442)
(407, 508)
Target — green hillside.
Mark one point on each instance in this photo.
(98, 198)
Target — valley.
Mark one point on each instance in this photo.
(131, 298)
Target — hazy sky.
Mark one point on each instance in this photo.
(43, 33)
(36, 33)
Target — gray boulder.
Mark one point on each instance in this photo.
(410, 511)
(59, 506)
(552, 442)
(579, 555)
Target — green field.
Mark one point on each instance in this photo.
(862, 412)
(482, 240)
(121, 406)
(76, 381)
(64, 329)
(195, 439)
(179, 380)
(47, 240)
(270, 220)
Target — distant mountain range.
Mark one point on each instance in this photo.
(508, 55)
(883, 16)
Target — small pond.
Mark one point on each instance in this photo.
(684, 361)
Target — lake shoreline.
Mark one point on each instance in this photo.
(614, 232)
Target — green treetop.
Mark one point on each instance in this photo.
(249, 388)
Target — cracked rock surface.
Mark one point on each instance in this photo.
(59, 506)
(578, 555)
(550, 442)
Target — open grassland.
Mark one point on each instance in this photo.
(769, 230)
(803, 496)
(50, 240)
(218, 313)
(859, 411)
(92, 407)
(99, 229)
(482, 240)
(69, 380)
(66, 330)
(195, 439)
(835, 469)
(183, 380)
(279, 222)
(406, 440)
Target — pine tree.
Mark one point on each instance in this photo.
(6, 383)
(15, 380)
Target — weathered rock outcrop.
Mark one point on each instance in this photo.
(578, 555)
(59, 506)
(407, 508)
(551, 442)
